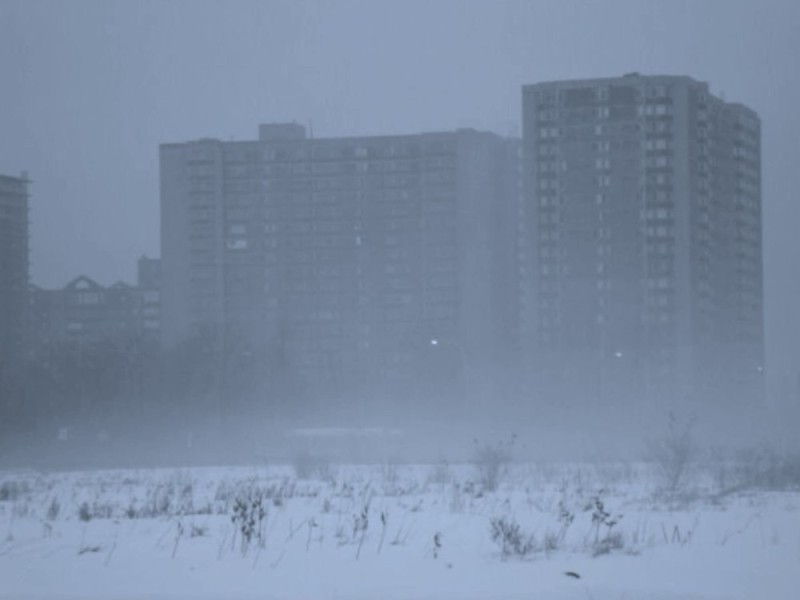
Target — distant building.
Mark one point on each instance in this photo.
(347, 261)
(14, 265)
(85, 312)
(641, 254)
(149, 284)
(149, 273)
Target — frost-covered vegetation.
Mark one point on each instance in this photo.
(294, 524)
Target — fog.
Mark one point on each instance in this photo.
(426, 282)
(93, 88)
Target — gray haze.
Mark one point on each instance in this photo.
(90, 89)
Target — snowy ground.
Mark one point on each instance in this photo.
(390, 531)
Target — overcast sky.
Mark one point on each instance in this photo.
(90, 89)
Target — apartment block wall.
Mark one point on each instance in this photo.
(14, 268)
(348, 262)
(641, 246)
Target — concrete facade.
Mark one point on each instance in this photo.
(343, 262)
(641, 259)
(85, 312)
(14, 268)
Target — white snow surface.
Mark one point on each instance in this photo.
(371, 532)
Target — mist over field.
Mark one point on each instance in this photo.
(399, 299)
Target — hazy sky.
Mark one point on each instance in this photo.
(89, 90)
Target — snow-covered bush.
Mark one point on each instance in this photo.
(673, 454)
(53, 509)
(602, 518)
(440, 474)
(491, 462)
(308, 466)
(764, 468)
(249, 514)
(514, 542)
(12, 490)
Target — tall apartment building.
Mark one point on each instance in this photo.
(344, 263)
(641, 254)
(13, 267)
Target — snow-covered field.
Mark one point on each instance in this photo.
(395, 531)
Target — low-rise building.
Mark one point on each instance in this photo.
(85, 312)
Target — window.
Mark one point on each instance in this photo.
(657, 144)
(547, 149)
(548, 115)
(602, 163)
(548, 132)
(237, 244)
(89, 298)
(654, 109)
